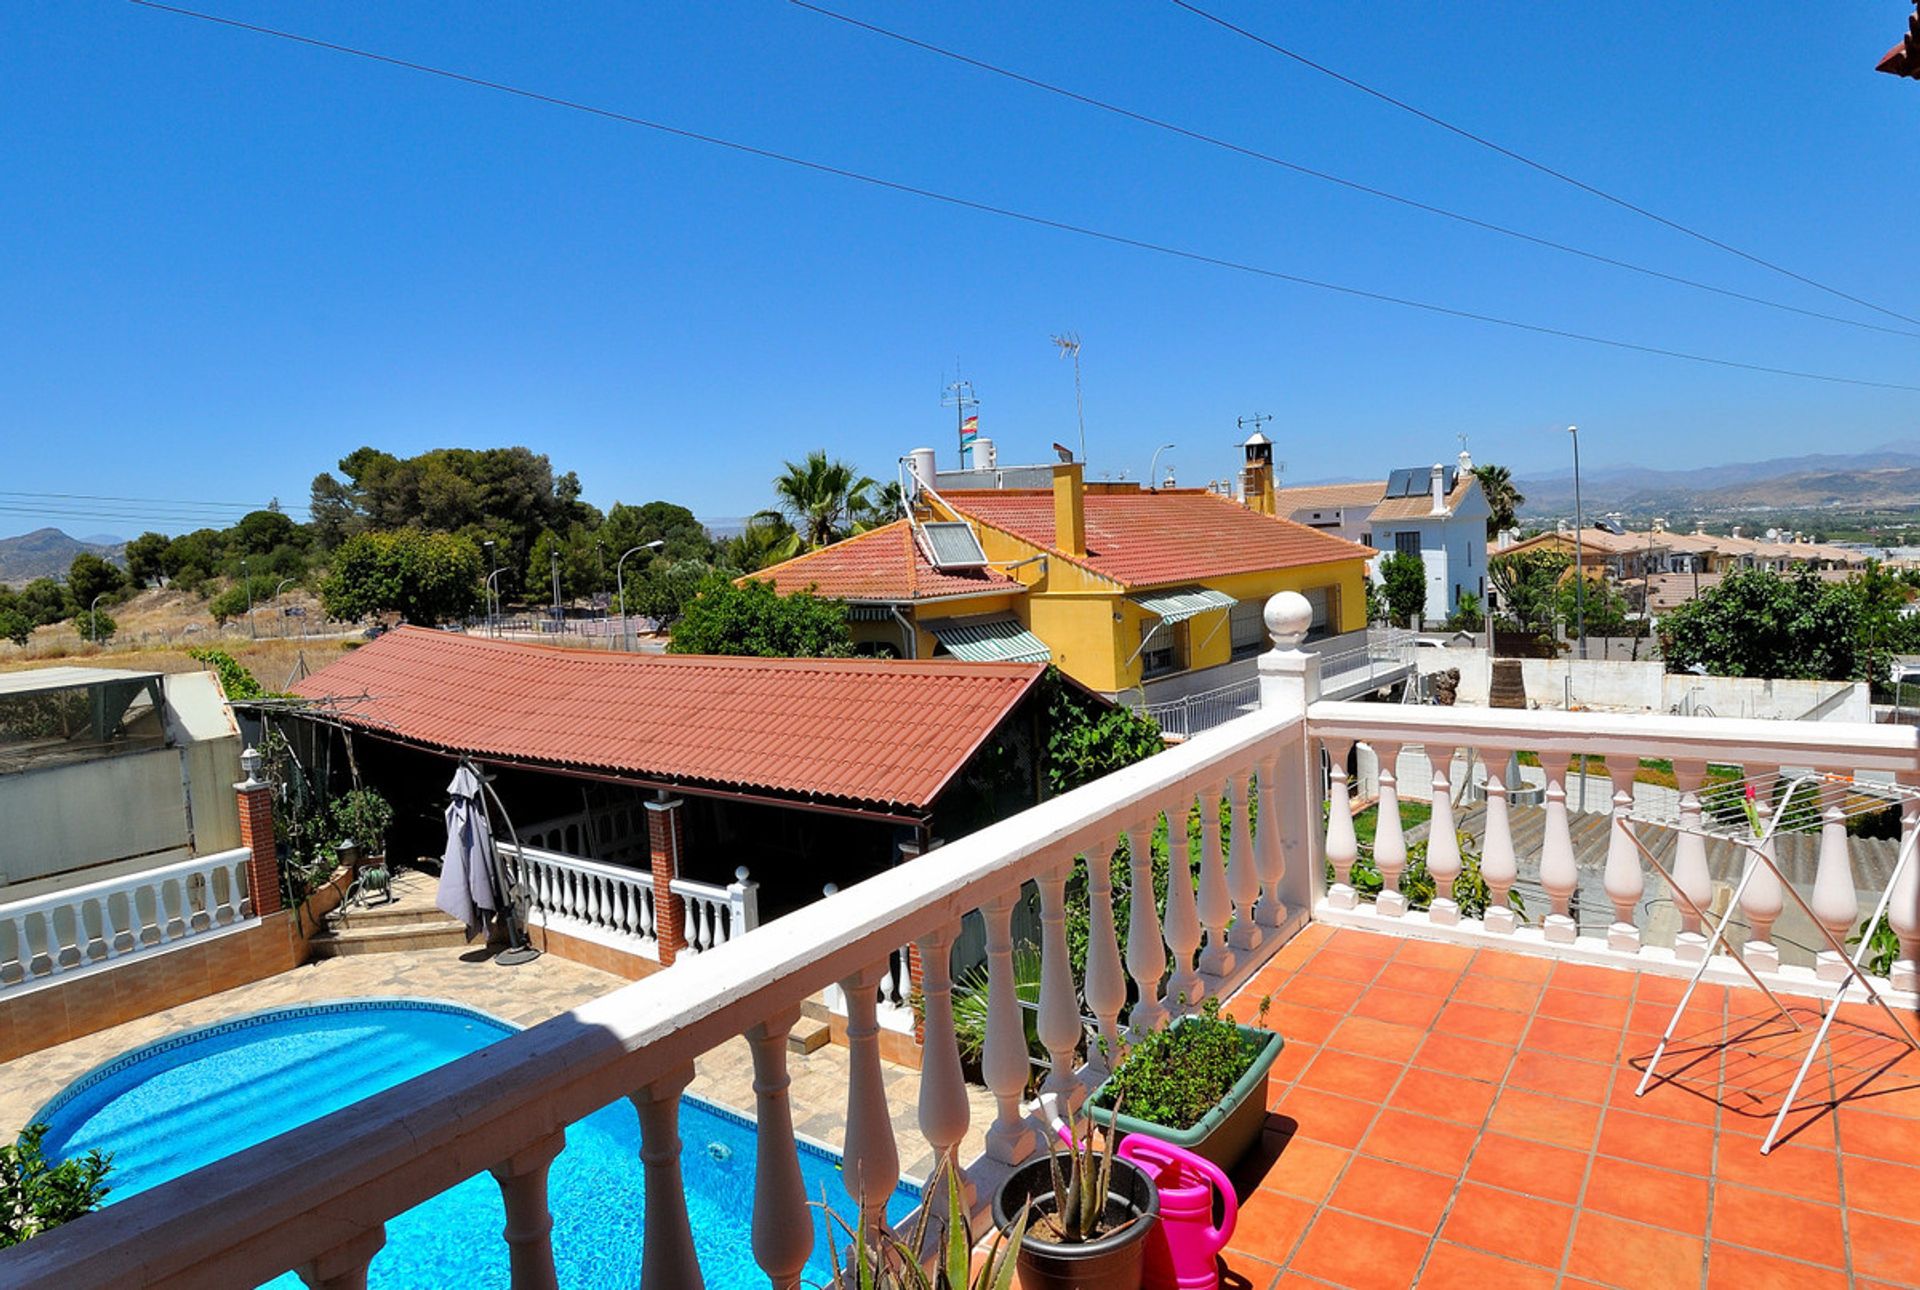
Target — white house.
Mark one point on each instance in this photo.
(1437, 512)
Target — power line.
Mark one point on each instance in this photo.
(1342, 181)
(1038, 221)
(171, 503)
(1529, 162)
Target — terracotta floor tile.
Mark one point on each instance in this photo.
(1534, 1168)
(1343, 966)
(1294, 1057)
(1373, 945)
(1457, 1055)
(1372, 1038)
(1455, 1267)
(1445, 1097)
(1310, 1025)
(1303, 1167)
(1239, 1271)
(1882, 1187)
(1326, 1117)
(1435, 954)
(1885, 1249)
(1270, 1225)
(1589, 978)
(1520, 1227)
(1882, 1090)
(1331, 993)
(1418, 978)
(1651, 1140)
(1560, 1076)
(1648, 1195)
(1574, 1039)
(1587, 1009)
(1732, 1268)
(1512, 965)
(1418, 1140)
(1497, 992)
(1557, 1121)
(1779, 1224)
(1475, 1021)
(1810, 1173)
(1402, 1007)
(1367, 1079)
(1692, 1096)
(1616, 1252)
(1884, 1137)
(1360, 1253)
(1393, 1193)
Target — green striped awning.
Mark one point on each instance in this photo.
(993, 640)
(1182, 603)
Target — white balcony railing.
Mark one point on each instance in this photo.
(69, 931)
(716, 915)
(608, 904)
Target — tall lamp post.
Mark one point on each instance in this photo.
(487, 546)
(1153, 470)
(93, 621)
(1579, 551)
(493, 592)
(253, 628)
(557, 617)
(276, 595)
(620, 581)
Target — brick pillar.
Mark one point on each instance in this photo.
(664, 826)
(256, 835)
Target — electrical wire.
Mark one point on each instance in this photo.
(1540, 166)
(1342, 181)
(1038, 221)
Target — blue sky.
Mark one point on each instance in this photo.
(231, 260)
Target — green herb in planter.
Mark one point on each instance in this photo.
(1174, 1077)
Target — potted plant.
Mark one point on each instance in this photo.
(1087, 1215)
(1199, 1083)
(876, 1259)
(363, 816)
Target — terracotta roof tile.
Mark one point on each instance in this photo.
(1142, 538)
(880, 564)
(856, 730)
(1420, 505)
(1326, 497)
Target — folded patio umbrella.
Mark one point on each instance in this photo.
(466, 868)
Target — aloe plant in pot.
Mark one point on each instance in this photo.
(1089, 1211)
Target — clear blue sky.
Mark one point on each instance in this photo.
(230, 260)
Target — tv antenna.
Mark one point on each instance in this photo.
(960, 397)
(1069, 345)
(1257, 420)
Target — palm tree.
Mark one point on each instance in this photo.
(767, 539)
(1496, 483)
(883, 506)
(820, 498)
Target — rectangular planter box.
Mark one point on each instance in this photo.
(1232, 1128)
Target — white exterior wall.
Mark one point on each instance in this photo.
(1621, 686)
(1454, 549)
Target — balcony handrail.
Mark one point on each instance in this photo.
(325, 1186)
(105, 887)
(566, 860)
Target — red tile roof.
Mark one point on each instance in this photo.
(855, 730)
(1143, 538)
(880, 564)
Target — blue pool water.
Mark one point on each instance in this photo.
(173, 1106)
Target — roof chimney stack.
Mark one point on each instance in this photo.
(1256, 477)
(1439, 487)
(1070, 509)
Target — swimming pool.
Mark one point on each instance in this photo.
(187, 1100)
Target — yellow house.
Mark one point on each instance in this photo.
(1120, 586)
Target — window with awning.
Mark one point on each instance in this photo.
(1182, 603)
(990, 640)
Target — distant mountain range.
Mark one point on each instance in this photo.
(47, 553)
(1883, 477)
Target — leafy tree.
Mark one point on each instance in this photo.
(1376, 602)
(582, 563)
(820, 498)
(194, 557)
(147, 558)
(883, 504)
(752, 618)
(37, 1195)
(423, 577)
(1602, 608)
(666, 588)
(1756, 623)
(15, 626)
(1403, 580)
(259, 532)
(45, 601)
(1528, 584)
(1496, 484)
(1470, 615)
(512, 493)
(90, 576)
(626, 527)
(95, 625)
(1087, 738)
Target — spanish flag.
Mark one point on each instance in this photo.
(969, 430)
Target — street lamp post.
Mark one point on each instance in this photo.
(493, 599)
(276, 595)
(620, 581)
(1579, 551)
(93, 618)
(253, 628)
(555, 553)
(1153, 470)
(488, 546)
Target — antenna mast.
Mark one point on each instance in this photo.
(1069, 343)
(959, 396)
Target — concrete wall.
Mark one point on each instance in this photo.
(1646, 686)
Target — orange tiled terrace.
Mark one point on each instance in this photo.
(1443, 1116)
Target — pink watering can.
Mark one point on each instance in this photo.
(1182, 1247)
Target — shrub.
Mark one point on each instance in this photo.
(1175, 1076)
(235, 679)
(36, 1196)
(95, 625)
(364, 817)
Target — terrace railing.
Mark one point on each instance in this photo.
(69, 931)
(609, 904)
(716, 915)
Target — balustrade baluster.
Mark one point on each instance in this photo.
(1903, 906)
(1183, 917)
(1389, 838)
(529, 1231)
(1559, 873)
(597, 906)
(1498, 865)
(1762, 899)
(93, 944)
(1106, 987)
(1690, 872)
(22, 953)
(1343, 845)
(872, 1164)
(1835, 903)
(1059, 1022)
(1623, 879)
(1443, 839)
(667, 1260)
(344, 1267)
(782, 1226)
(1216, 899)
(1270, 848)
(1146, 952)
(173, 902)
(1243, 882)
(1004, 1062)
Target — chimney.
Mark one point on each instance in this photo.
(1256, 476)
(1466, 462)
(1439, 485)
(1659, 525)
(1069, 508)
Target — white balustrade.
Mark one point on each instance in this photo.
(1270, 846)
(1498, 864)
(1183, 916)
(1389, 837)
(68, 931)
(1243, 879)
(1343, 846)
(1690, 872)
(1559, 871)
(1146, 952)
(1761, 898)
(1903, 907)
(1624, 879)
(1443, 839)
(1059, 1021)
(1835, 902)
(593, 900)
(1215, 904)
(1106, 987)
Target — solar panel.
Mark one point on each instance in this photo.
(952, 545)
(1402, 483)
